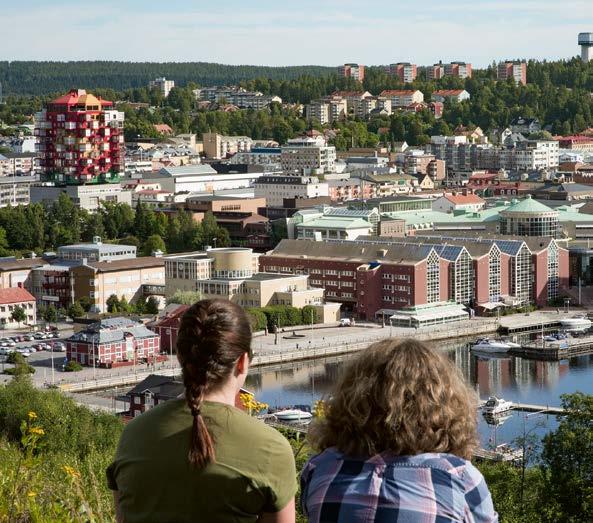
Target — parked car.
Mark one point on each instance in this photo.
(345, 322)
(58, 346)
(4, 351)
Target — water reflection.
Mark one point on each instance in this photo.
(515, 379)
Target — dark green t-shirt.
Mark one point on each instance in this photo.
(254, 470)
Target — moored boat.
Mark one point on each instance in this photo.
(293, 415)
(576, 324)
(490, 345)
(494, 406)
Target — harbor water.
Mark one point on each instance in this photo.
(513, 378)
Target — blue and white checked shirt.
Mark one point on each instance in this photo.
(427, 488)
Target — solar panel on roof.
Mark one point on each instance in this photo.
(511, 247)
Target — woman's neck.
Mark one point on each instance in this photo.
(225, 395)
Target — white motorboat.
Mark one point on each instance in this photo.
(489, 345)
(293, 415)
(494, 406)
(511, 344)
(576, 324)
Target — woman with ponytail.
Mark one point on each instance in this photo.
(198, 458)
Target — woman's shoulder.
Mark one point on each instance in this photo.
(441, 461)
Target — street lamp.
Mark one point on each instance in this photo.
(214, 241)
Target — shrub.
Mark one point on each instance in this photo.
(20, 369)
(72, 366)
(257, 318)
(309, 312)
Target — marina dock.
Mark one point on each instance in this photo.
(507, 455)
(555, 350)
(528, 407)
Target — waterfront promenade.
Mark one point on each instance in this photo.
(294, 344)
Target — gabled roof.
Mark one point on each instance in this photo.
(164, 386)
(463, 199)
(15, 295)
(398, 92)
(449, 92)
(352, 251)
(80, 96)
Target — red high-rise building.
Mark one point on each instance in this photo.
(80, 139)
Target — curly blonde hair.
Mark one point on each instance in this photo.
(399, 396)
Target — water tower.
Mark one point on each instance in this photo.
(586, 43)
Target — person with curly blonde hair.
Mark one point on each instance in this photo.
(395, 443)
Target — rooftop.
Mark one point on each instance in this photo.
(15, 295)
(352, 251)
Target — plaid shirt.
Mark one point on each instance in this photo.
(427, 488)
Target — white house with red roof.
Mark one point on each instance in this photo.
(403, 98)
(450, 94)
(16, 297)
(464, 200)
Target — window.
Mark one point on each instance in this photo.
(552, 271)
(433, 278)
(494, 274)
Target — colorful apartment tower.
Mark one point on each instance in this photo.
(80, 139)
(354, 71)
(517, 70)
(405, 71)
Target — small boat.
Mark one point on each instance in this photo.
(293, 415)
(496, 406)
(488, 345)
(576, 324)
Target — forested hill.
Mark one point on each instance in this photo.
(39, 78)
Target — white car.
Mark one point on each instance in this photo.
(345, 322)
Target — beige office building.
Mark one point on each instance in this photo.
(232, 274)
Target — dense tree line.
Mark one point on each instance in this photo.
(38, 78)
(38, 228)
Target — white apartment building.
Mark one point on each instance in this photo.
(327, 109)
(26, 144)
(363, 108)
(13, 164)
(318, 110)
(307, 155)
(275, 188)
(533, 155)
(238, 96)
(351, 97)
(402, 98)
(163, 85)
(268, 157)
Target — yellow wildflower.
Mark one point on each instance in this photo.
(37, 430)
(31, 494)
(71, 471)
(32, 415)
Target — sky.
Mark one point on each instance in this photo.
(266, 32)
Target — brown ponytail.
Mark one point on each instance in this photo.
(213, 335)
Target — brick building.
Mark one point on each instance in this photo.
(113, 342)
(375, 274)
(167, 326)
